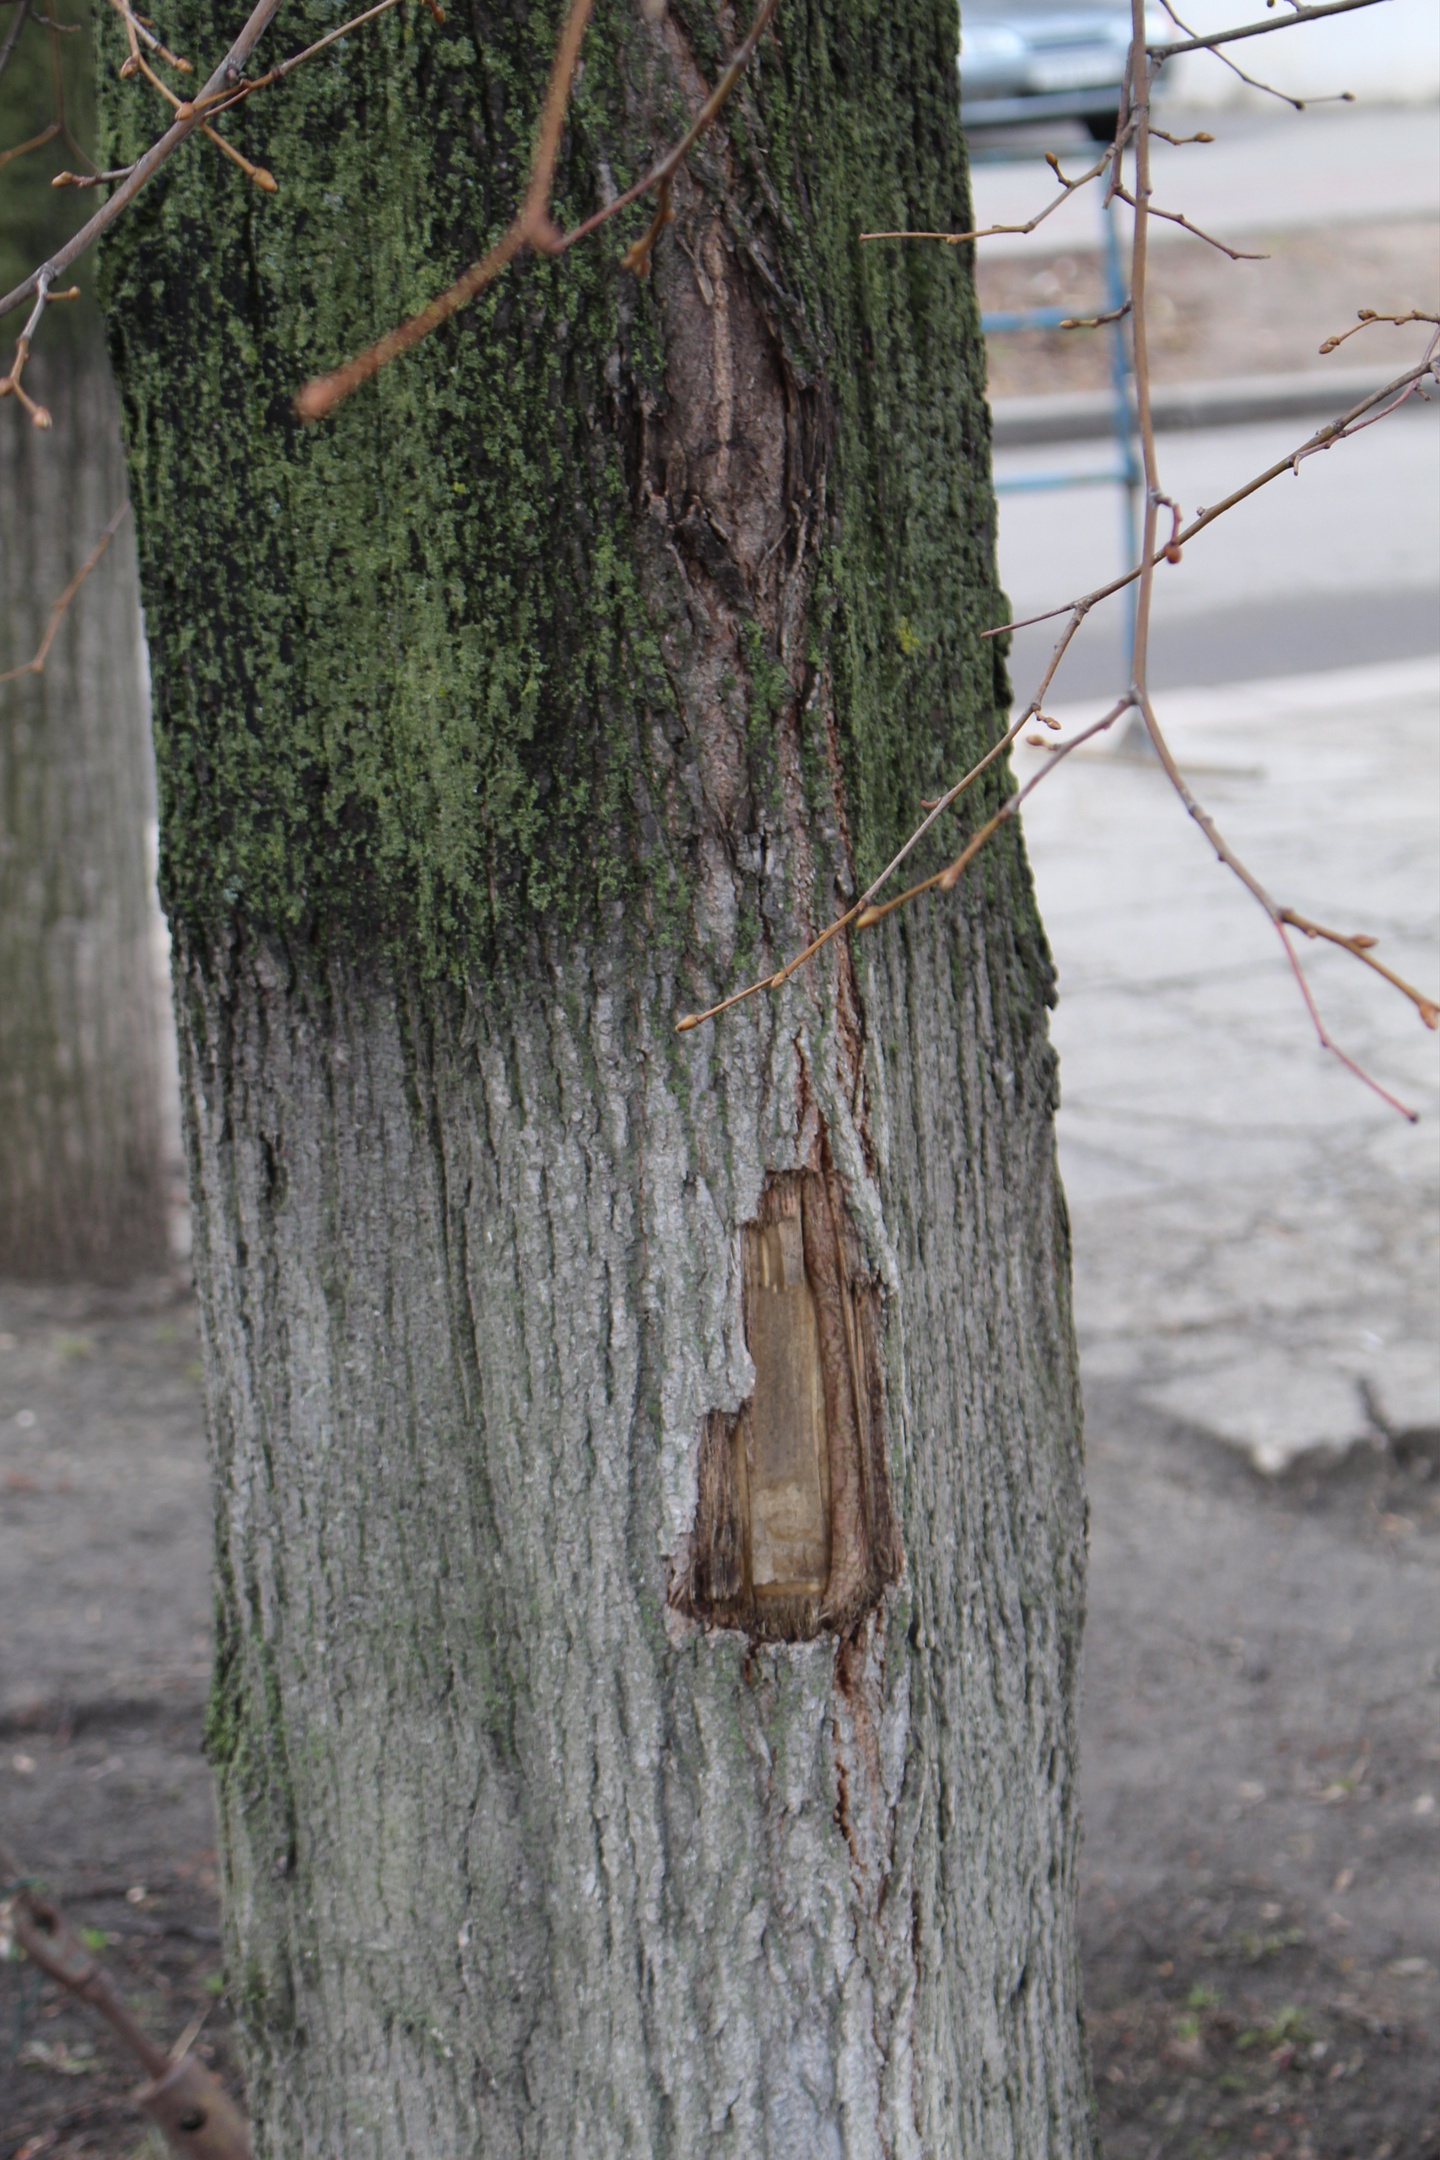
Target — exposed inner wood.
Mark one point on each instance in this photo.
(794, 1532)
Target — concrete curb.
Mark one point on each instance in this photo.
(1088, 415)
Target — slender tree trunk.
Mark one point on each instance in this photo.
(81, 1172)
(649, 1516)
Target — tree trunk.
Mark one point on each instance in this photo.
(82, 1189)
(649, 1517)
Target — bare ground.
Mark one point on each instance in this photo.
(1262, 1759)
(1211, 317)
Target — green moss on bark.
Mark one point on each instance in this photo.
(408, 666)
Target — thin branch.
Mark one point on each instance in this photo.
(256, 173)
(1135, 126)
(990, 232)
(138, 28)
(187, 119)
(57, 613)
(1327, 1040)
(1367, 316)
(12, 35)
(532, 227)
(47, 134)
(936, 809)
(1359, 945)
(1253, 83)
(1150, 555)
(1323, 439)
(947, 879)
(11, 385)
(277, 74)
(1261, 29)
(1095, 322)
(1178, 217)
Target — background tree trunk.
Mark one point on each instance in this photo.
(82, 1185)
(83, 1028)
(576, 670)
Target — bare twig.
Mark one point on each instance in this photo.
(47, 134)
(1367, 316)
(1178, 217)
(12, 35)
(1095, 322)
(532, 226)
(1135, 129)
(11, 385)
(991, 232)
(181, 2095)
(1260, 29)
(248, 88)
(57, 613)
(1324, 438)
(88, 180)
(1150, 555)
(187, 119)
(139, 29)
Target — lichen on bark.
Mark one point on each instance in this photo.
(588, 659)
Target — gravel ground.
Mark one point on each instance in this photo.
(1262, 1758)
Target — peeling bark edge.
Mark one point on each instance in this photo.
(715, 1585)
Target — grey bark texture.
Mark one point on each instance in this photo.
(586, 663)
(82, 1182)
(522, 1861)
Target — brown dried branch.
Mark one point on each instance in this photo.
(935, 809)
(1095, 322)
(57, 613)
(95, 179)
(12, 35)
(185, 2099)
(46, 134)
(532, 226)
(947, 879)
(246, 89)
(991, 232)
(1178, 217)
(11, 385)
(1150, 555)
(1135, 127)
(1260, 29)
(1367, 316)
(1324, 438)
(1359, 944)
(139, 28)
(256, 173)
(185, 123)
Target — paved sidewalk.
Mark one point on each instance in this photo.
(1257, 1236)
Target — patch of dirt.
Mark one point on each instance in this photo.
(1210, 317)
(1261, 1780)
(1261, 1771)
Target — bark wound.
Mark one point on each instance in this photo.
(794, 1531)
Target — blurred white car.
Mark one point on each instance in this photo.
(1027, 60)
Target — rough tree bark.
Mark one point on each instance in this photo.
(82, 1183)
(644, 1714)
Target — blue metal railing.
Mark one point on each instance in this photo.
(1124, 471)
